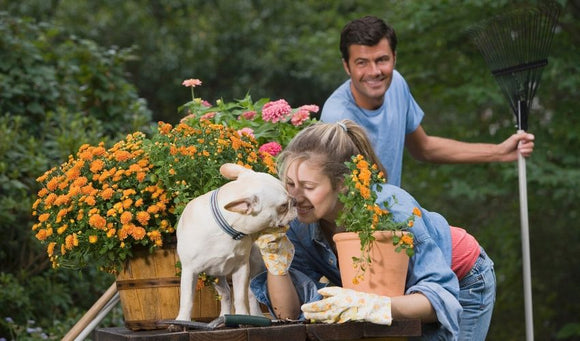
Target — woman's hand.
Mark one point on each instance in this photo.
(341, 305)
(276, 249)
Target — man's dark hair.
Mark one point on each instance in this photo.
(367, 31)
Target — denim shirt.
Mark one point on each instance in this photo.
(429, 269)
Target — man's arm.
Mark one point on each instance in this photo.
(443, 150)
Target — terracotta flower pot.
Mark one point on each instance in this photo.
(387, 273)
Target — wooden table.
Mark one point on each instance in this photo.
(398, 330)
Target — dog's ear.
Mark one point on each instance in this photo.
(231, 171)
(244, 205)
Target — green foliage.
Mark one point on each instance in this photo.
(462, 100)
(569, 331)
(56, 92)
(180, 37)
(43, 70)
(49, 304)
(289, 49)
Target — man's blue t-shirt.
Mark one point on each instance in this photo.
(386, 126)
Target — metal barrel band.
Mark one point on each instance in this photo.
(147, 283)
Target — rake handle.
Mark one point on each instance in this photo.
(527, 272)
(91, 313)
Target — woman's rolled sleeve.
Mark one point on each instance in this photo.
(430, 275)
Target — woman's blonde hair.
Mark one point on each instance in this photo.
(329, 145)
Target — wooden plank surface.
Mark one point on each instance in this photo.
(399, 330)
(123, 334)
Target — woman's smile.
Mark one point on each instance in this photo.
(303, 209)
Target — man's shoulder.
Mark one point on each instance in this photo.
(398, 90)
(338, 104)
(398, 79)
(341, 93)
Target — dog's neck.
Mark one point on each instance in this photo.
(221, 221)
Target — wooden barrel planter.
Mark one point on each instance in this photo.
(148, 286)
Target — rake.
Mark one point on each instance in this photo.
(515, 47)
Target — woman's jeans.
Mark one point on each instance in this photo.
(477, 297)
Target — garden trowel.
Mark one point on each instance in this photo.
(228, 320)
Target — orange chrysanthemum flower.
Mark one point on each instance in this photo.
(406, 239)
(97, 221)
(126, 217)
(417, 212)
(90, 200)
(41, 235)
(50, 248)
(97, 165)
(143, 217)
(122, 155)
(43, 217)
(107, 193)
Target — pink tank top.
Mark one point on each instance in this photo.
(465, 250)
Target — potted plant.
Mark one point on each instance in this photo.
(105, 206)
(372, 238)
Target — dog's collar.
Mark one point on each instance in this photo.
(221, 221)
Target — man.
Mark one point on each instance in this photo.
(377, 97)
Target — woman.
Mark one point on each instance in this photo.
(312, 167)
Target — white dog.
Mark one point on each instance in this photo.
(223, 288)
(216, 231)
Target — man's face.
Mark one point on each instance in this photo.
(371, 71)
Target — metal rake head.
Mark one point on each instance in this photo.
(515, 47)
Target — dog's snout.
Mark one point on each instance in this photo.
(290, 213)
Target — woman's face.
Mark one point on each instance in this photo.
(315, 197)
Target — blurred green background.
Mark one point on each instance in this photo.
(74, 72)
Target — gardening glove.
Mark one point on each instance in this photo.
(341, 305)
(276, 249)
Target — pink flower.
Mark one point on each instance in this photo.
(272, 148)
(207, 116)
(249, 115)
(187, 117)
(299, 117)
(303, 114)
(275, 111)
(248, 131)
(192, 82)
(310, 108)
(206, 103)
